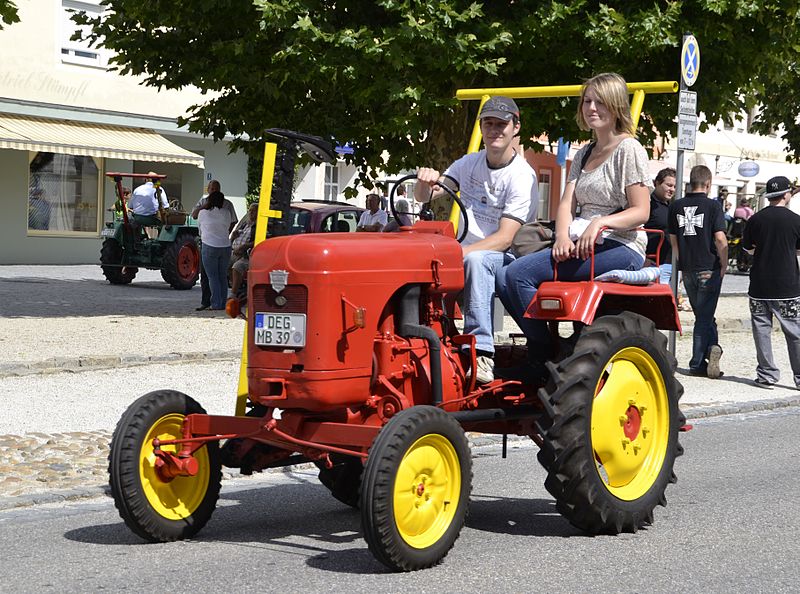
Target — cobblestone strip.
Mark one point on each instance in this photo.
(40, 468)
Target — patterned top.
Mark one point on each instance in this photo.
(601, 191)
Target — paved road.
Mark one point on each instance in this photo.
(731, 525)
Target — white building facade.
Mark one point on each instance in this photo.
(66, 121)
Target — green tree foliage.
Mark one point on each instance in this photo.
(8, 13)
(383, 74)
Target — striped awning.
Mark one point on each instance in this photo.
(27, 133)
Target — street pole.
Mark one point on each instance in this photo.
(687, 131)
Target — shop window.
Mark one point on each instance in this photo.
(80, 52)
(331, 188)
(544, 194)
(63, 194)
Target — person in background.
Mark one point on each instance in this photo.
(743, 211)
(612, 189)
(697, 234)
(659, 207)
(500, 194)
(373, 219)
(243, 240)
(205, 290)
(772, 235)
(146, 200)
(215, 225)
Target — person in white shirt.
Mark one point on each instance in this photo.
(373, 219)
(500, 194)
(215, 224)
(205, 290)
(145, 201)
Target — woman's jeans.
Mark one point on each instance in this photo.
(216, 261)
(518, 282)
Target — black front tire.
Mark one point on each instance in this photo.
(158, 509)
(610, 438)
(416, 487)
(111, 263)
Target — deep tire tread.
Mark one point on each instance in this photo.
(169, 263)
(566, 454)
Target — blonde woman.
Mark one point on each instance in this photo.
(610, 187)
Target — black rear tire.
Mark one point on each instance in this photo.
(610, 438)
(180, 264)
(111, 263)
(158, 509)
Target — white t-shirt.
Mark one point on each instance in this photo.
(491, 194)
(143, 201)
(601, 191)
(368, 218)
(214, 225)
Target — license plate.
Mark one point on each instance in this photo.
(278, 329)
(107, 232)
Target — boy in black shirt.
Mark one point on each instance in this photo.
(773, 236)
(697, 235)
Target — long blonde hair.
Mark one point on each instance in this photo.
(612, 90)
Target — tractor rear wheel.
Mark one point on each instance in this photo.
(111, 263)
(416, 488)
(343, 479)
(156, 507)
(611, 436)
(180, 264)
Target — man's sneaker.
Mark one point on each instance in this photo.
(714, 355)
(762, 383)
(484, 372)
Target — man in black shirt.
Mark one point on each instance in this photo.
(773, 236)
(697, 235)
(659, 208)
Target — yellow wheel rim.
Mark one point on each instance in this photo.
(427, 490)
(630, 423)
(180, 497)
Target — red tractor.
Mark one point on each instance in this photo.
(354, 363)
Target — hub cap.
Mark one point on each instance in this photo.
(427, 490)
(630, 423)
(178, 498)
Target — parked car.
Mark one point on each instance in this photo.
(323, 216)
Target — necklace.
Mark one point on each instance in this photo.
(506, 164)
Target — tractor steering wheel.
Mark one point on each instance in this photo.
(447, 190)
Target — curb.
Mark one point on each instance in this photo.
(94, 363)
(692, 412)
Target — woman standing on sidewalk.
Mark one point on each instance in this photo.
(214, 222)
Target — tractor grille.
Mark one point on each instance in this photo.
(296, 299)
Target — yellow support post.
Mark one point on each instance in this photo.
(636, 108)
(639, 90)
(264, 213)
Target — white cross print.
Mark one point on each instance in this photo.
(690, 220)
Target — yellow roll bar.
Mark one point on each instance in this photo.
(638, 89)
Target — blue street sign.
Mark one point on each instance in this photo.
(690, 60)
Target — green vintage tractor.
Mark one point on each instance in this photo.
(170, 245)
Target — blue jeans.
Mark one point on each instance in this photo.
(702, 289)
(480, 270)
(216, 261)
(517, 284)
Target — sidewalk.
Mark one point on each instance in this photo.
(60, 320)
